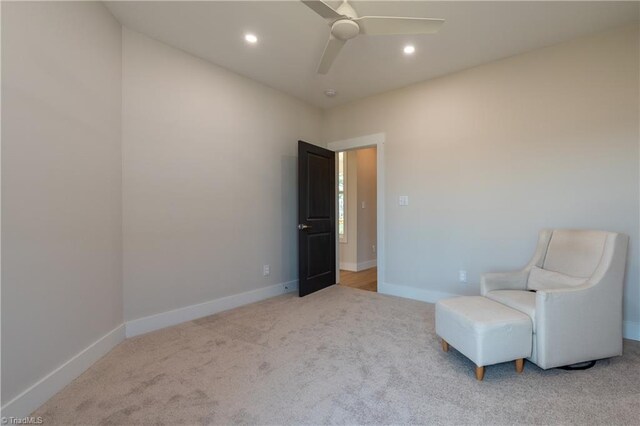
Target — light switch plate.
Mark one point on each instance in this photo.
(404, 200)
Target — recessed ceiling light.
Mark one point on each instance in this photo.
(251, 38)
(409, 49)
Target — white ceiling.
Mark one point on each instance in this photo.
(292, 38)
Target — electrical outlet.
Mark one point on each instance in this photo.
(462, 276)
(266, 270)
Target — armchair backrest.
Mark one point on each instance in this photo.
(576, 253)
(567, 258)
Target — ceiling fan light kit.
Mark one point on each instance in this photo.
(346, 25)
(345, 29)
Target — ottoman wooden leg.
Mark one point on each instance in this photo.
(479, 373)
(519, 365)
(445, 346)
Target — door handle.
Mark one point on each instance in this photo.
(302, 227)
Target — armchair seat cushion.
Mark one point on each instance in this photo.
(520, 300)
(542, 279)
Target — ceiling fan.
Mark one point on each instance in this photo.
(345, 25)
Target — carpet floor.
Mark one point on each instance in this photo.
(339, 356)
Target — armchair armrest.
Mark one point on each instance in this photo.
(516, 280)
(577, 324)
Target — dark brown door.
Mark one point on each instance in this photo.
(316, 218)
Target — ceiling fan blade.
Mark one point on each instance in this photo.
(330, 53)
(388, 25)
(322, 9)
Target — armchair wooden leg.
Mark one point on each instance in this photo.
(445, 346)
(479, 373)
(519, 365)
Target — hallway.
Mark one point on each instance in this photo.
(363, 280)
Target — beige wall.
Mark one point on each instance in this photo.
(61, 185)
(367, 229)
(349, 249)
(490, 155)
(209, 179)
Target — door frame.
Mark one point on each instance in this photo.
(376, 140)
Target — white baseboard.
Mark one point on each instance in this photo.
(349, 266)
(357, 267)
(631, 330)
(37, 394)
(407, 292)
(367, 264)
(192, 312)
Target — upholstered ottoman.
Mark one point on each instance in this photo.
(484, 331)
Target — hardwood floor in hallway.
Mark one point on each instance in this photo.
(364, 280)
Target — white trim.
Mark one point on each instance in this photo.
(357, 143)
(415, 293)
(37, 394)
(631, 330)
(188, 313)
(345, 181)
(357, 267)
(377, 140)
(349, 266)
(368, 264)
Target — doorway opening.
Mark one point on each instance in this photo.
(357, 221)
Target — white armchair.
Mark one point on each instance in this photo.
(572, 290)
